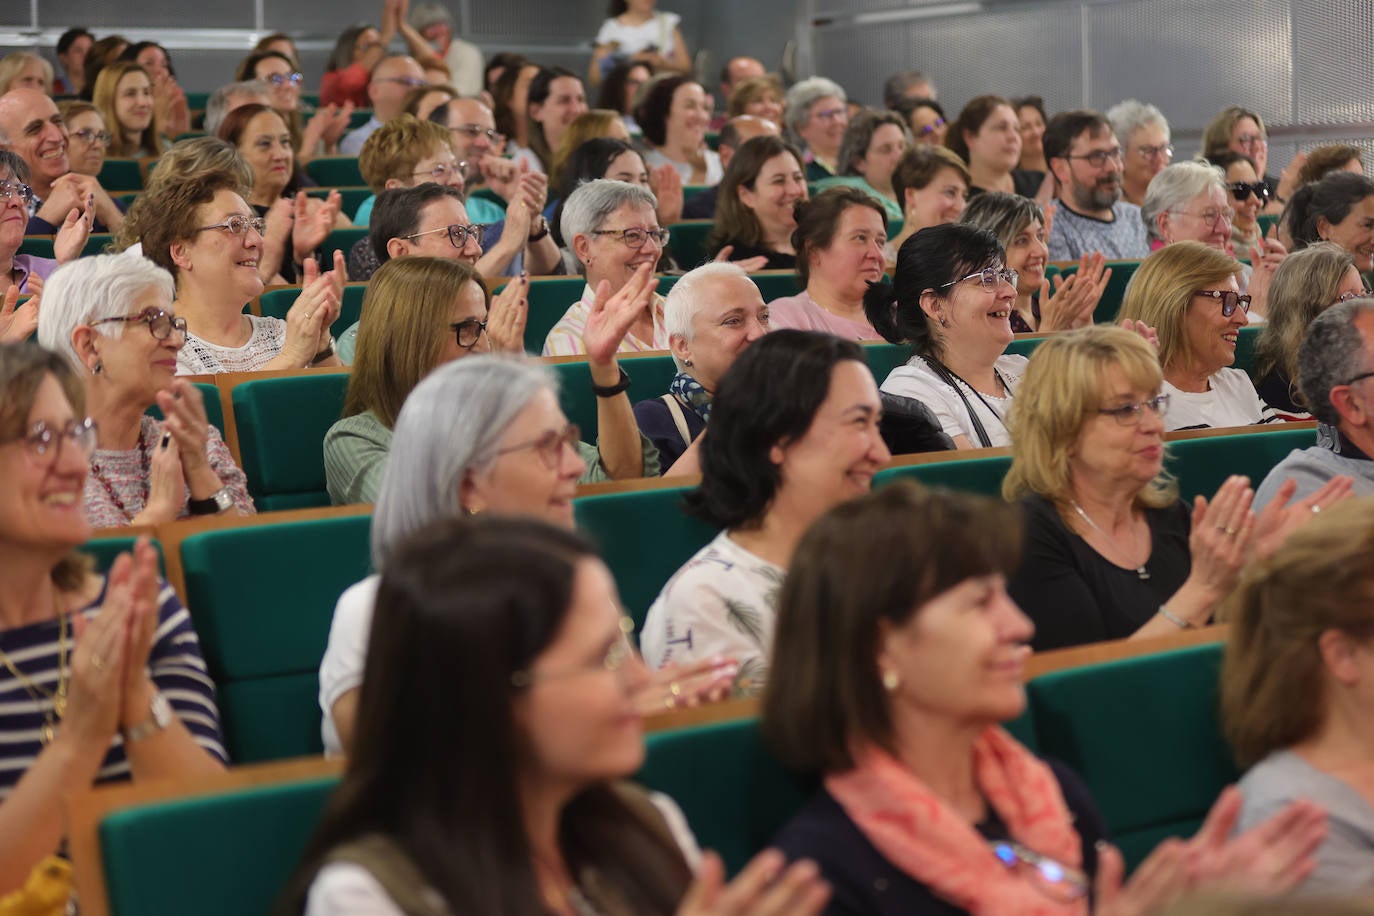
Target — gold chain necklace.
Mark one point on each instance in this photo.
(58, 700)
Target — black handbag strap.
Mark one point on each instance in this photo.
(958, 384)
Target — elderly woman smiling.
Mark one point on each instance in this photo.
(817, 115)
(712, 314)
(1145, 148)
(612, 228)
(111, 317)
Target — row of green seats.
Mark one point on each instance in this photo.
(41, 246)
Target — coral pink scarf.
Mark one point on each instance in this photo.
(923, 836)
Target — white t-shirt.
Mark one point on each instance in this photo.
(1232, 401)
(917, 380)
(341, 670)
(714, 170)
(631, 39)
(723, 601)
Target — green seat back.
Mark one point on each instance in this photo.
(713, 139)
(549, 300)
(649, 378)
(104, 551)
(776, 284)
(121, 175)
(196, 101)
(352, 198)
(1202, 465)
(359, 117)
(282, 423)
(337, 171)
(687, 242)
(981, 475)
(275, 303)
(262, 597)
(644, 537)
(1110, 303)
(489, 195)
(41, 246)
(340, 240)
(214, 409)
(884, 357)
(230, 853)
(1266, 222)
(692, 190)
(1144, 735)
(1247, 340)
(1024, 346)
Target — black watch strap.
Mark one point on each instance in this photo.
(610, 391)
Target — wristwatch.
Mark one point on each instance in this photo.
(610, 391)
(219, 501)
(324, 354)
(159, 717)
(540, 231)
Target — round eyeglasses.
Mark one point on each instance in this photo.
(43, 438)
(550, 445)
(476, 130)
(989, 277)
(1130, 414)
(90, 136)
(160, 324)
(239, 225)
(441, 172)
(458, 235)
(9, 189)
(281, 79)
(635, 237)
(468, 331)
(1164, 150)
(1228, 298)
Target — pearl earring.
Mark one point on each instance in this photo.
(891, 681)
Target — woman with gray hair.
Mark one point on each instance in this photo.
(111, 317)
(611, 227)
(1143, 133)
(873, 145)
(816, 112)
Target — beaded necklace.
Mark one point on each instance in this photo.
(144, 466)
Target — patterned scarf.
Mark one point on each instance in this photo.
(689, 391)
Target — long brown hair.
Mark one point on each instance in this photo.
(103, 96)
(736, 224)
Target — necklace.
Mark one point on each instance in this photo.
(57, 705)
(1140, 570)
(144, 474)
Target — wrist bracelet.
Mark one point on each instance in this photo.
(543, 231)
(610, 391)
(1174, 619)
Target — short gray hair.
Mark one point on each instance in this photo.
(427, 14)
(1176, 185)
(90, 289)
(803, 95)
(12, 162)
(450, 424)
(1332, 354)
(1129, 116)
(217, 106)
(592, 203)
(684, 300)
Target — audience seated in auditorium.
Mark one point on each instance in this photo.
(704, 204)
(736, 72)
(893, 688)
(1247, 196)
(1335, 364)
(358, 49)
(280, 74)
(987, 136)
(1030, 114)
(926, 120)
(88, 659)
(951, 298)
(88, 140)
(435, 24)
(1089, 214)
(170, 107)
(406, 152)
(873, 144)
(1019, 224)
(592, 124)
(553, 101)
(111, 317)
(712, 314)
(25, 70)
(755, 216)
(1143, 133)
(1340, 209)
(1307, 283)
(620, 87)
(761, 96)
(472, 128)
(197, 159)
(391, 79)
(1243, 131)
(932, 184)
(817, 115)
(230, 96)
(1111, 552)
(1188, 293)
(793, 432)
(124, 95)
(673, 116)
(25, 273)
(839, 239)
(69, 77)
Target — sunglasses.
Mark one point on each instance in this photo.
(1242, 190)
(1229, 299)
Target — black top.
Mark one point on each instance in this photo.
(656, 423)
(863, 883)
(776, 259)
(701, 205)
(1025, 182)
(1276, 390)
(1074, 595)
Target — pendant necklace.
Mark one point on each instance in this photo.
(1140, 570)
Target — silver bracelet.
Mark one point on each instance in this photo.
(1174, 619)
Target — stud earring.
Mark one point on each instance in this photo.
(891, 681)
(98, 368)
(687, 363)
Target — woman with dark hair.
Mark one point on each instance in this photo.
(987, 135)
(674, 116)
(123, 94)
(932, 185)
(899, 656)
(1030, 111)
(554, 100)
(926, 120)
(510, 98)
(619, 88)
(350, 64)
(793, 432)
(513, 626)
(1340, 209)
(603, 157)
(756, 207)
(873, 145)
(1248, 195)
(839, 240)
(281, 75)
(169, 101)
(635, 31)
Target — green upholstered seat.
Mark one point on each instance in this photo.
(214, 410)
(644, 537)
(336, 171)
(981, 475)
(687, 241)
(340, 240)
(275, 303)
(262, 597)
(882, 358)
(41, 246)
(121, 175)
(1024, 346)
(1110, 303)
(549, 300)
(775, 284)
(359, 117)
(1247, 340)
(281, 424)
(215, 855)
(1203, 464)
(1144, 735)
(352, 198)
(104, 551)
(649, 378)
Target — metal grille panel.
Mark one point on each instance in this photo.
(1332, 67)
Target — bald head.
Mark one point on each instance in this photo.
(32, 127)
(736, 69)
(741, 128)
(392, 78)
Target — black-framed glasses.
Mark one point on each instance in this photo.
(620, 651)
(439, 173)
(1155, 152)
(281, 79)
(474, 131)
(160, 324)
(550, 445)
(635, 237)
(1241, 190)
(1099, 158)
(989, 277)
(468, 331)
(1054, 879)
(43, 438)
(1228, 298)
(1130, 414)
(1359, 378)
(238, 224)
(91, 136)
(458, 234)
(18, 189)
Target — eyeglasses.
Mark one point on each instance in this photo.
(635, 237)
(550, 445)
(279, 79)
(830, 114)
(18, 189)
(1155, 152)
(439, 174)
(1099, 158)
(91, 136)
(1130, 414)
(476, 130)
(1228, 298)
(1054, 879)
(1251, 141)
(410, 82)
(238, 225)
(468, 331)
(1210, 216)
(989, 277)
(160, 324)
(1361, 377)
(458, 234)
(42, 437)
(1346, 297)
(1241, 190)
(617, 654)
(931, 128)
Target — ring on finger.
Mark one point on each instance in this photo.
(1316, 509)
(1230, 531)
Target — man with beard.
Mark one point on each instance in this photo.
(1090, 215)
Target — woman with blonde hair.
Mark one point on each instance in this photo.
(124, 95)
(25, 70)
(598, 122)
(1243, 131)
(760, 96)
(1295, 687)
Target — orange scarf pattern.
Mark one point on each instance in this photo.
(924, 837)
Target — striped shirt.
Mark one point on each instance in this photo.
(175, 664)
